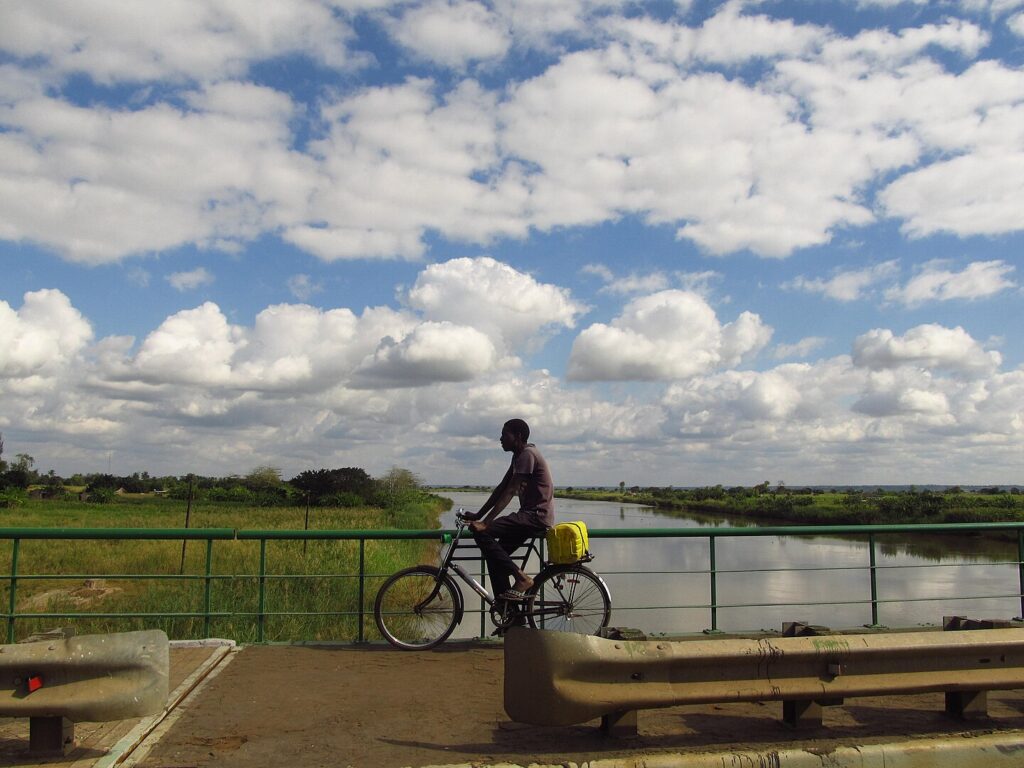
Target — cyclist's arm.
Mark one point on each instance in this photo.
(507, 489)
(508, 492)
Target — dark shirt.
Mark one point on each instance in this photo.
(538, 494)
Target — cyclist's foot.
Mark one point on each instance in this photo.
(513, 594)
(523, 585)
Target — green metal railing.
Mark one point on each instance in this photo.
(361, 610)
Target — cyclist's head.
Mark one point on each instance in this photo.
(518, 428)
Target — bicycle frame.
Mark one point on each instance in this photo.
(565, 611)
(449, 562)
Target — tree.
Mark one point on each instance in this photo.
(263, 479)
(401, 479)
(397, 486)
(19, 474)
(324, 484)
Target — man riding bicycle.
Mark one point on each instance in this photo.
(529, 478)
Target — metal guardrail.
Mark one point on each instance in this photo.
(96, 678)
(361, 611)
(559, 678)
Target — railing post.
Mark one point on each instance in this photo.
(14, 587)
(714, 583)
(261, 618)
(1020, 569)
(362, 587)
(874, 580)
(206, 588)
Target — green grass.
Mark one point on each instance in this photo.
(311, 589)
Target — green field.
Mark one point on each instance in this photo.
(85, 585)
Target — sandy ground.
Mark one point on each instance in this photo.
(371, 706)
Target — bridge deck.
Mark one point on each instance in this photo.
(346, 706)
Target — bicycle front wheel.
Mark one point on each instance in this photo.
(569, 598)
(417, 608)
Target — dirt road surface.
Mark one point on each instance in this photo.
(373, 707)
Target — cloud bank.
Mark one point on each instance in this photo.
(440, 137)
(644, 117)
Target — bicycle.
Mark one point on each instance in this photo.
(419, 607)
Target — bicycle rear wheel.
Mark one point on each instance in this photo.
(569, 598)
(417, 608)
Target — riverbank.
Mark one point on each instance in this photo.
(274, 589)
(805, 506)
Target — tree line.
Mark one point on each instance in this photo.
(952, 504)
(263, 486)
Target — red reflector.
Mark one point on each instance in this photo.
(35, 683)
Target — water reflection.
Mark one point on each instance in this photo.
(664, 584)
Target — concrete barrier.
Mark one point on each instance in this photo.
(93, 678)
(555, 678)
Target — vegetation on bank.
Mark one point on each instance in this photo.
(93, 585)
(814, 506)
(317, 578)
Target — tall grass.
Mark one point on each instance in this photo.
(311, 587)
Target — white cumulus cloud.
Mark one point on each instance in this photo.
(452, 32)
(172, 39)
(45, 334)
(100, 184)
(431, 353)
(667, 335)
(187, 281)
(303, 287)
(927, 346)
(802, 348)
(465, 317)
(934, 282)
(846, 285)
(512, 307)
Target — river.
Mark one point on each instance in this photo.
(662, 585)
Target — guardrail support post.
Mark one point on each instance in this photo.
(801, 713)
(619, 725)
(966, 705)
(50, 735)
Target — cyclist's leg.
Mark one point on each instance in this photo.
(499, 540)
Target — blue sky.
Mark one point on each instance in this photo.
(691, 243)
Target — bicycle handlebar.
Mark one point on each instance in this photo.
(460, 516)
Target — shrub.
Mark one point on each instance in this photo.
(101, 496)
(12, 497)
(343, 499)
